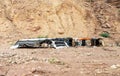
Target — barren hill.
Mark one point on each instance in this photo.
(58, 18)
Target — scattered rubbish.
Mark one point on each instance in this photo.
(88, 42)
(57, 42)
(36, 75)
(115, 66)
(14, 47)
(98, 70)
(89, 54)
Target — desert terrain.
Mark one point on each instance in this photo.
(21, 19)
(58, 18)
(77, 61)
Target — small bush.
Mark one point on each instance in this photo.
(105, 34)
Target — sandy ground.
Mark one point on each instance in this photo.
(80, 61)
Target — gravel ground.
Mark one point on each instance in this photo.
(80, 61)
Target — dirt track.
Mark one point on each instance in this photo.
(81, 61)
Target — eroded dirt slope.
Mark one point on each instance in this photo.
(56, 18)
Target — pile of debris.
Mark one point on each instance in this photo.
(57, 42)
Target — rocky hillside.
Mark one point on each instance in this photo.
(58, 18)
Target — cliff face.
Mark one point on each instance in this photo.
(56, 18)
